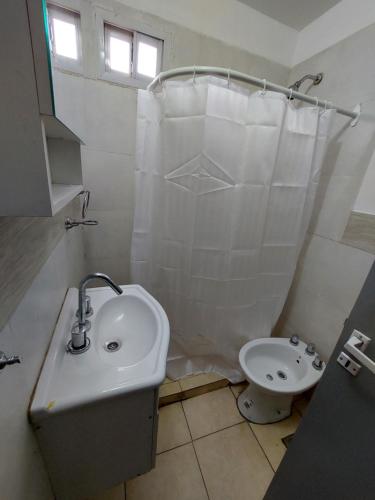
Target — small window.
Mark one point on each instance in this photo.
(148, 60)
(65, 37)
(131, 57)
(118, 49)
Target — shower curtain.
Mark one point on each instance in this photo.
(225, 184)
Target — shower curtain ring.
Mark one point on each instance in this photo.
(228, 77)
(194, 74)
(316, 102)
(290, 95)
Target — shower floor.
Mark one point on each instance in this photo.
(206, 451)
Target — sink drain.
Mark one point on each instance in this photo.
(281, 375)
(112, 345)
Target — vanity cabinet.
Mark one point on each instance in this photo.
(88, 450)
(40, 168)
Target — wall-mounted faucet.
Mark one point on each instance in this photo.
(69, 223)
(79, 342)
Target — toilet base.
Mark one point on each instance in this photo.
(262, 407)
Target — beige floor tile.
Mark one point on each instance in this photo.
(301, 405)
(116, 493)
(233, 464)
(211, 412)
(270, 435)
(173, 429)
(198, 380)
(238, 388)
(175, 477)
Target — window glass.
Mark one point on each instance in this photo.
(119, 54)
(147, 59)
(65, 38)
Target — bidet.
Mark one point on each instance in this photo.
(277, 369)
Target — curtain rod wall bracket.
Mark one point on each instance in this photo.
(357, 109)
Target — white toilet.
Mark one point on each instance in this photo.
(277, 369)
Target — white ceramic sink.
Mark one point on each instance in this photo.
(135, 321)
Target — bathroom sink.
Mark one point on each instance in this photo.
(129, 338)
(126, 331)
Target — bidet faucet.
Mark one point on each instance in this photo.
(80, 342)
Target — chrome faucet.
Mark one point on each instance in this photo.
(79, 342)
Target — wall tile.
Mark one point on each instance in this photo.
(110, 111)
(118, 268)
(111, 237)
(110, 179)
(322, 271)
(333, 205)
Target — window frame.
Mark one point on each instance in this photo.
(134, 79)
(67, 15)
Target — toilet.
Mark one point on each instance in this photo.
(277, 369)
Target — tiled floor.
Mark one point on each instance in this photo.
(207, 451)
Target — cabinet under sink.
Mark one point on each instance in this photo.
(95, 414)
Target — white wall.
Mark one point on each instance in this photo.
(343, 20)
(27, 334)
(365, 201)
(330, 274)
(104, 115)
(229, 21)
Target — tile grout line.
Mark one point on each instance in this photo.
(174, 448)
(219, 430)
(257, 440)
(195, 452)
(261, 447)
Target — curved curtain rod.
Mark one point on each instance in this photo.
(243, 77)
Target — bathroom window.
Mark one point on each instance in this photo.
(65, 37)
(131, 57)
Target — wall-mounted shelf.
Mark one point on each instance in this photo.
(40, 156)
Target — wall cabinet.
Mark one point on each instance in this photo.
(40, 161)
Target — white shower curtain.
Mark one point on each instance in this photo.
(225, 184)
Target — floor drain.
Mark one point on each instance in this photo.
(112, 345)
(281, 375)
(269, 376)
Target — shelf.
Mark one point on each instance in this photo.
(62, 194)
(56, 129)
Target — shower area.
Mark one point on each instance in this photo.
(226, 178)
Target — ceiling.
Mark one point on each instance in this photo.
(294, 13)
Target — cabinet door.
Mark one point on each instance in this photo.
(42, 60)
